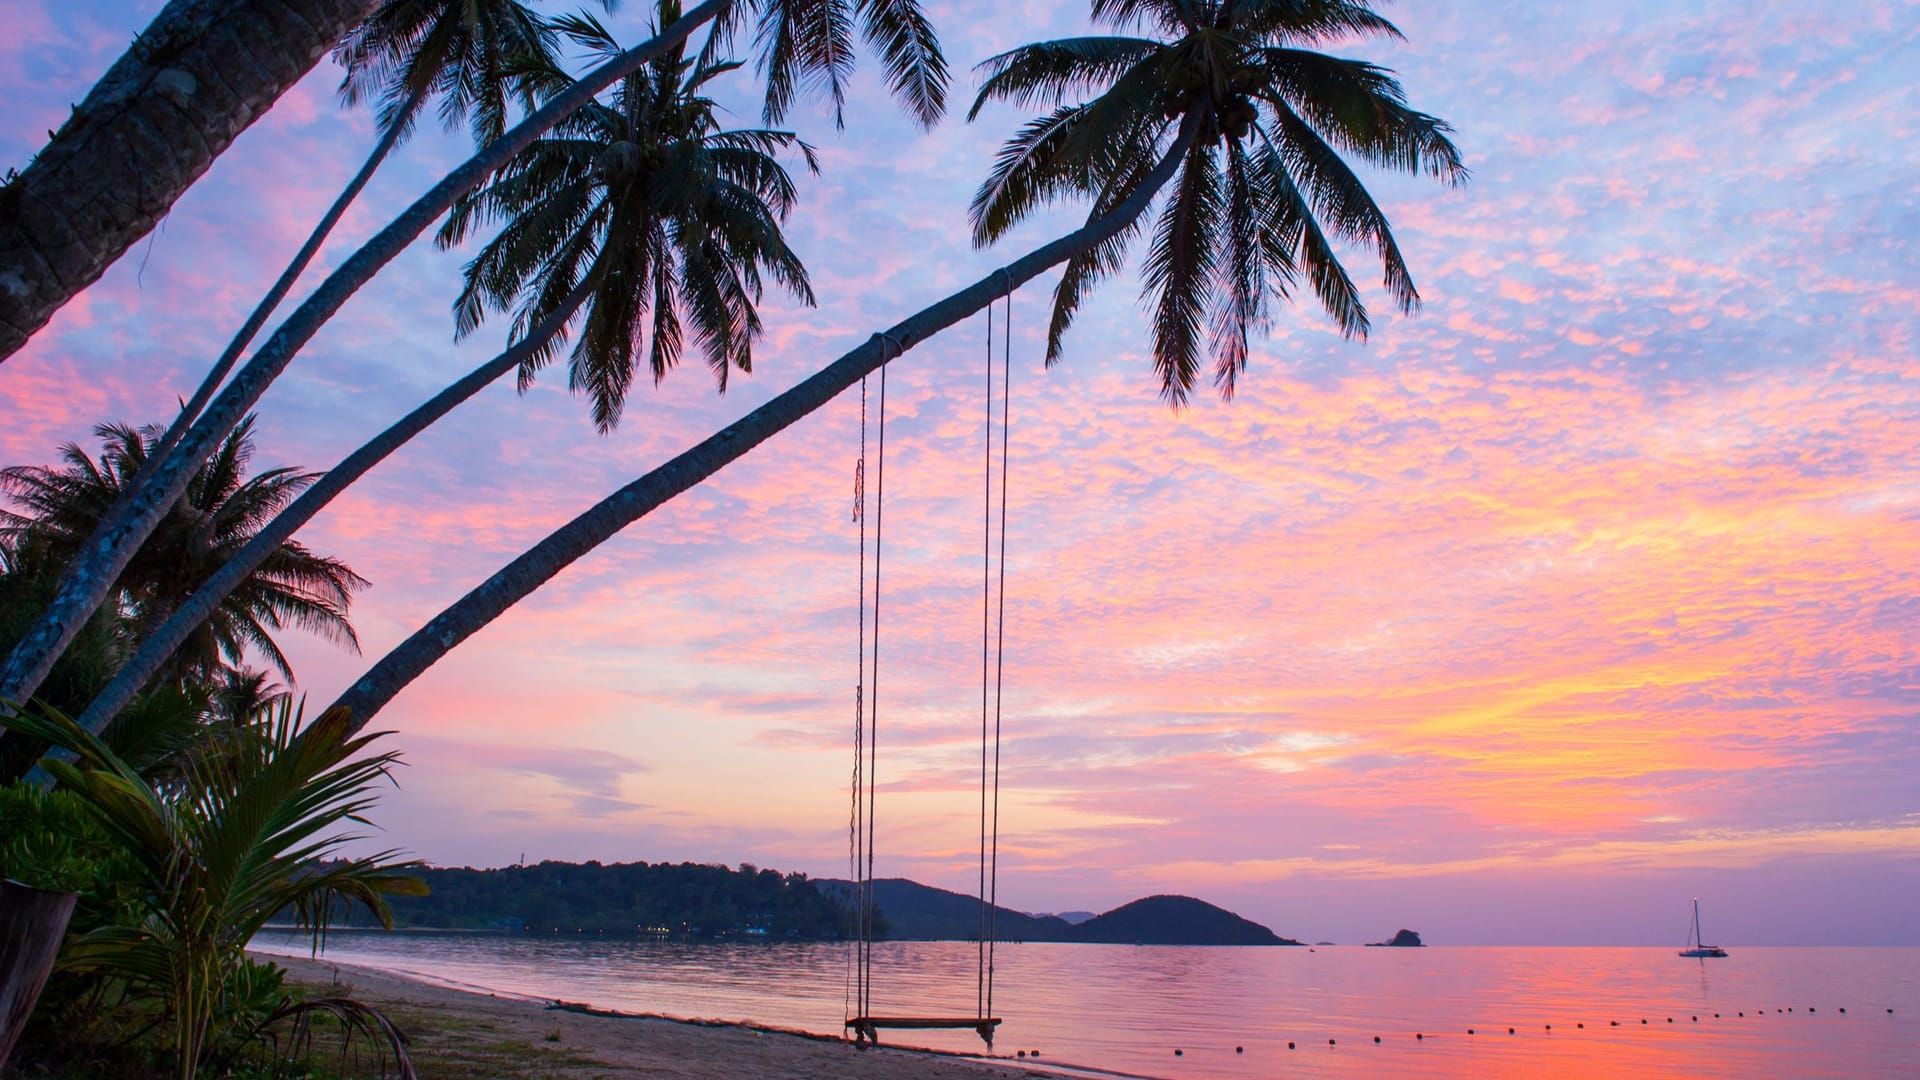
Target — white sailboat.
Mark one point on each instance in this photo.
(1696, 947)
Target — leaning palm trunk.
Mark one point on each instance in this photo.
(540, 563)
(218, 373)
(158, 648)
(202, 72)
(89, 579)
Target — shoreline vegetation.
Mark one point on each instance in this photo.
(696, 901)
(475, 1035)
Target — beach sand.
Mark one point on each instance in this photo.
(461, 1034)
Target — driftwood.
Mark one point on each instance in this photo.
(32, 922)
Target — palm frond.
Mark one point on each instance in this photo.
(1299, 235)
(806, 44)
(1179, 271)
(1048, 73)
(1311, 22)
(1242, 285)
(910, 51)
(1362, 108)
(1342, 201)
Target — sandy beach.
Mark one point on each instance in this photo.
(457, 1033)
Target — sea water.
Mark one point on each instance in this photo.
(1252, 1012)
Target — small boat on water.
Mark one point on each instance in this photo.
(1696, 946)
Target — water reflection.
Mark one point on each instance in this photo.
(1573, 1013)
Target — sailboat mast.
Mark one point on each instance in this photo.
(1697, 939)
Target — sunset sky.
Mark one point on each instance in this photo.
(1592, 588)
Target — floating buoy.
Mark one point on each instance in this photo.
(1743, 1014)
(1843, 1010)
(1615, 1023)
(1289, 1046)
(1033, 1053)
(1581, 1026)
(1696, 1019)
(1469, 1031)
(1417, 1035)
(1549, 1027)
(1812, 1009)
(1643, 1021)
(1329, 1042)
(1021, 1053)
(1376, 1038)
(1239, 1049)
(1510, 1031)
(1669, 1019)
(1716, 1016)
(1179, 1053)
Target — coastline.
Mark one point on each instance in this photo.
(471, 1033)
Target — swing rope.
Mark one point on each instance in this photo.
(993, 617)
(858, 999)
(866, 694)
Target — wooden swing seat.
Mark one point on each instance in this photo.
(867, 1028)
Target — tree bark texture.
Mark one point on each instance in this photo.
(540, 563)
(201, 73)
(89, 578)
(32, 924)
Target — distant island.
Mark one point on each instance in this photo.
(1074, 917)
(694, 900)
(1405, 939)
(919, 912)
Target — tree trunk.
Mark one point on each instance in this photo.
(241, 339)
(32, 924)
(201, 73)
(90, 577)
(540, 563)
(157, 649)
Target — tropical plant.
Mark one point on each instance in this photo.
(1229, 99)
(247, 833)
(636, 210)
(222, 509)
(803, 38)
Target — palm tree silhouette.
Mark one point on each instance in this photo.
(222, 510)
(1228, 99)
(803, 39)
(635, 210)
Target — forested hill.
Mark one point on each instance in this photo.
(623, 898)
(916, 912)
(921, 912)
(1175, 920)
(748, 903)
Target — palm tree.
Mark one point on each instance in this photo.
(1229, 99)
(697, 210)
(405, 53)
(222, 510)
(247, 831)
(916, 72)
(636, 210)
(181, 82)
